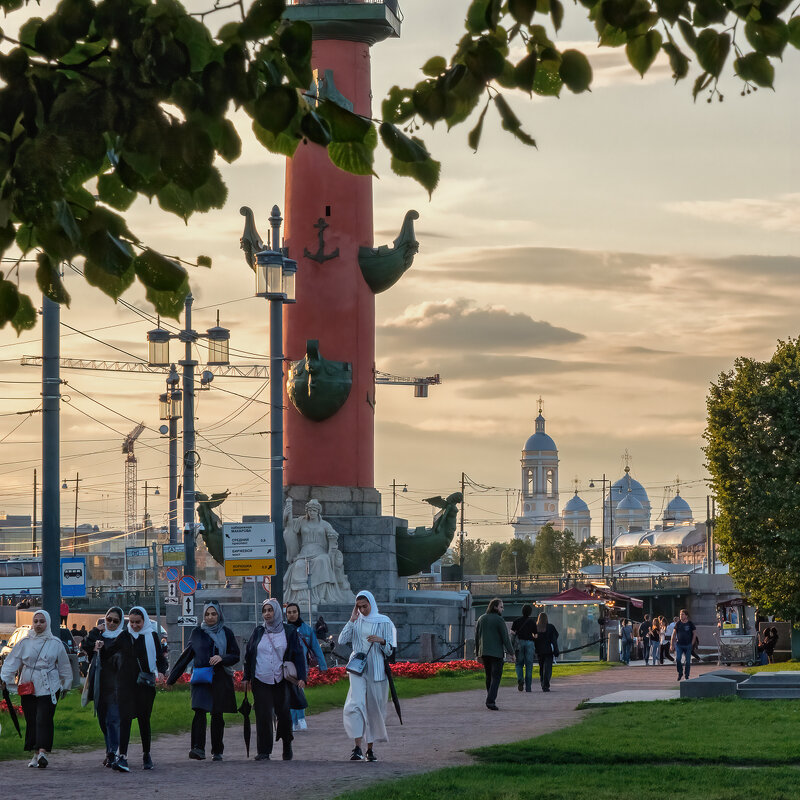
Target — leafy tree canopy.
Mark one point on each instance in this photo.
(107, 100)
(640, 553)
(753, 457)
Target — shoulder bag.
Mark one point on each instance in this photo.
(358, 663)
(311, 658)
(204, 674)
(145, 678)
(27, 687)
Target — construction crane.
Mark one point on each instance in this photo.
(260, 371)
(130, 478)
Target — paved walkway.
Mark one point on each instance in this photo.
(437, 730)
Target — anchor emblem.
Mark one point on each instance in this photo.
(320, 256)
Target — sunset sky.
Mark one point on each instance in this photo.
(614, 271)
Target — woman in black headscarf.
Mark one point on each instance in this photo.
(214, 650)
(272, 644)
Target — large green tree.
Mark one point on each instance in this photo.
(753, 456)
(641, 553)
(107, 100)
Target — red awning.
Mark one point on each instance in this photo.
(572, 596)
(609, 594)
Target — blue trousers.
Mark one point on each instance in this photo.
(297, 714)
(683, 651)
(525, 656)
(108, 717)
(655, 647)
(625, 655)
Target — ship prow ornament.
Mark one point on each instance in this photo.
(383, 266)
(317, 386)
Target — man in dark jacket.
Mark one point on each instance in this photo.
(491, 643)
(644, 638)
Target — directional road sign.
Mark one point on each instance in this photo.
(187, 584)
(137, 558)
(249, 548)
(187, 605)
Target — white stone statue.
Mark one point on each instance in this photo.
(316, 565)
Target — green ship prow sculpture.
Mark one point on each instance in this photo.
(420, 547)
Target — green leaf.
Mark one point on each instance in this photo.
(25, 318)
(424, 172)
(169, 304)
(158, 272)
(670, 10)
(398, 105)
(712, 50)
(295, 41)
(430, 101)
(556, 13)
(9, 301)
(689, 34)
(316, 129)
(176, 200)
(548, 82)
(402, 147)
(434, 67)
(8, 233)
(642, 51)
(769, 38)
(108, 282)
(677, 60)
(261, 17)
(575, 71)
(111, 190)
(474, 137)
(355, 157)
(476, 19)
(522, 10)
(49, 280)
(275, 108)
(283, 144)
(484, 60)
(197, 41)
(525, 72)
(204, 261)
(510, 122)
(755, 67)
(345, 125)
(50, 42)
(709, 12)
(228, 144)
(794, 31)
(74, 17)
(212, 194)
(701, 83)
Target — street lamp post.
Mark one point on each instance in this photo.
(516, 571)
(603, 538)
(158, 355)
(395, 486)
(147, 525)
(275, 274)
(77, 480)
(171, 409)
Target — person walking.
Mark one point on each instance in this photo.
(770, 642)
(102, 642)
(213, 650)
(655, 640)
(525, 629)
(546, 643)
(321, 628)
(684, 636)
(644, 638)
(272, 645)
(373, 638)
(312, 653)
(140, 660)
(491, 643)
(41, 665)
(63, 611)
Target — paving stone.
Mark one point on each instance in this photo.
(707, 686)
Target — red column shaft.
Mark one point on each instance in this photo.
(334, 304)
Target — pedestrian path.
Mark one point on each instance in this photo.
(437, 731)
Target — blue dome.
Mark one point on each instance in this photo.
(540, 440)
(629, 503)
(627, 485)
(576, 505)
(678, 508)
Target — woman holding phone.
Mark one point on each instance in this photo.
(373, 637)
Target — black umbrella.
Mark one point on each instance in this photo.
(388, 669)
(12, 712)
(96, 687)
(244, 709)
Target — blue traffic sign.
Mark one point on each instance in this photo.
(187, 584)
(173, 574)
(73, 576)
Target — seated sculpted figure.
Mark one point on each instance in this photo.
(314, 559)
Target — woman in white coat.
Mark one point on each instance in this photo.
(373, 634)
(44, 673)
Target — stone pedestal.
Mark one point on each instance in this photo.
(336, 501)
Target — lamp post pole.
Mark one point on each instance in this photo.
(187, 336)
(51, 446)
(603, 538)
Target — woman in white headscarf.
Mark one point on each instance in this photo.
(373, 635)
(41, 666)
(141, 659)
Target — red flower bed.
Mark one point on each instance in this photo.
(4, 709)
(404, 669)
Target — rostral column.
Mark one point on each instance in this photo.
(328, 219)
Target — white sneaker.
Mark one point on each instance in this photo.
(295, 726)
(302, 725)
(34, 762)
(41, 761)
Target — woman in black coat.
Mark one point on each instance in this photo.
(102, 642)
(213, 648)
(546, 644)
(272, 644)
(141, 658)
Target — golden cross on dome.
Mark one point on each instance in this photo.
(541, 406)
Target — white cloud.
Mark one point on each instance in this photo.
(779, 214)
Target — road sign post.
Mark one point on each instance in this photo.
(249, 549)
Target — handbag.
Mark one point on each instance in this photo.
(202, 675)
(311, 657)
(290, 672)
(358, 663)
(145, 678)
(25, 688)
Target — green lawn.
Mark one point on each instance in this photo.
(76, 728)
(781, 666)
(720, 749)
